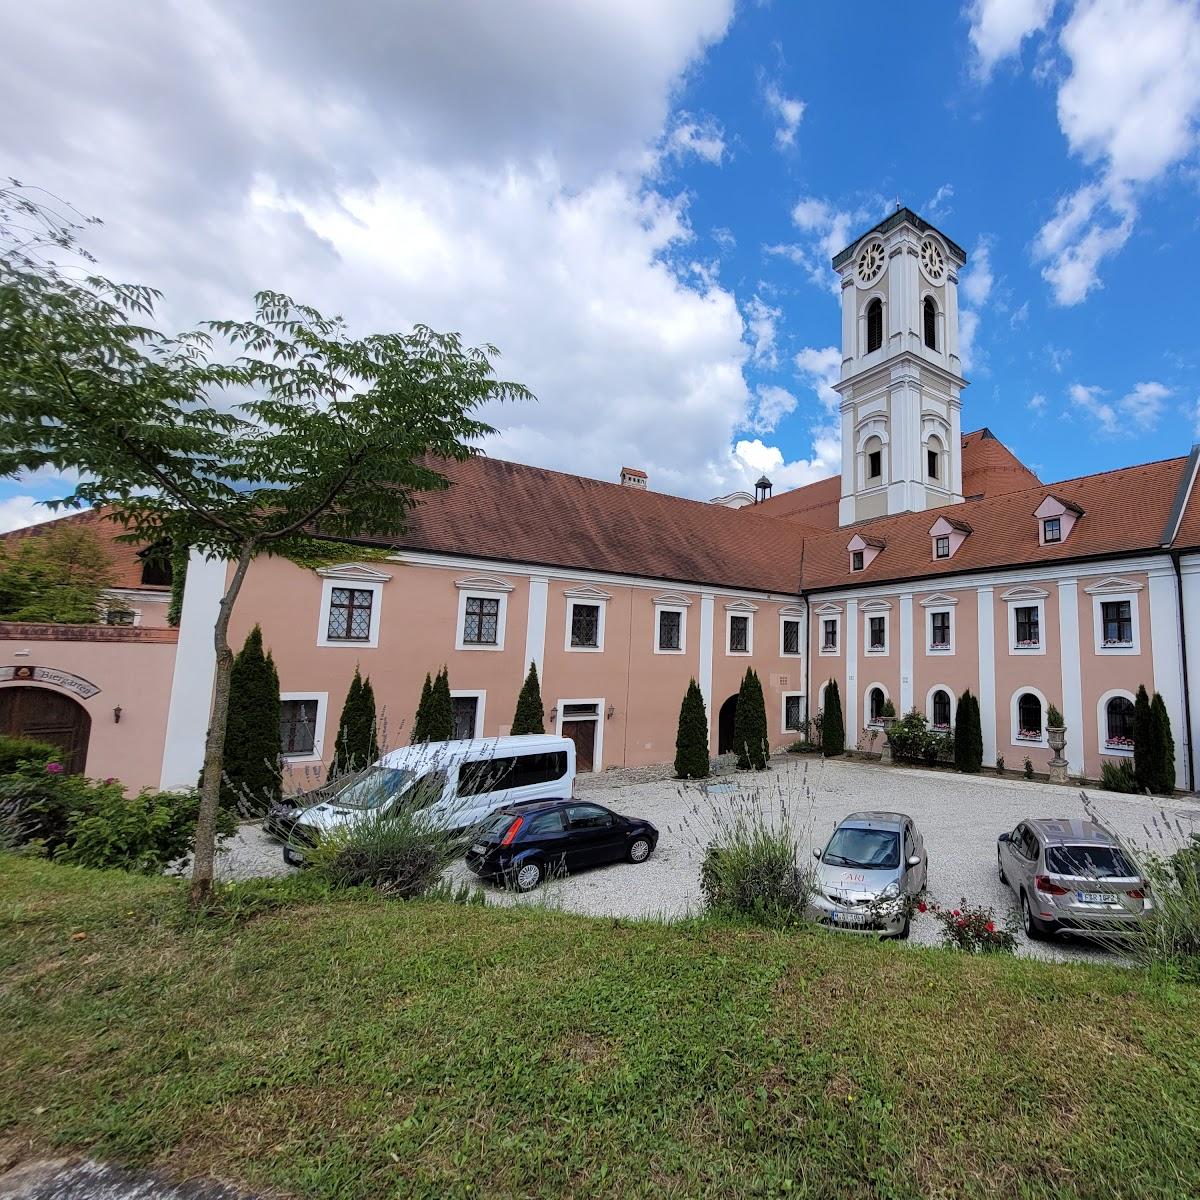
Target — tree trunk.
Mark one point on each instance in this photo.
(205, 854)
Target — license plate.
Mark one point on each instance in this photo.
(847, 918)
(1092, 897)
(478, 848)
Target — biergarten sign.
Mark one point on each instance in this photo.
(26, 673)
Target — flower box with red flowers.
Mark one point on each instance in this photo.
(1029, 735)
(1028, 643)
(1119, 743)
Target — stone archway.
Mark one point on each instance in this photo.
(47, 716)
(725, 722)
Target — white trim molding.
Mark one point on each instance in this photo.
(359, 582)
(986, 624)
(1071, 671)
(466, 593)
(480, 695)
(1167, 656)
(318, 751)
(486, 583)
(941, 687)
(356, 571)
(601, 717)
(586, 598)
(1100, 598)
(1026, 597)
(535, 628)
(740, 608)
(930, 647)
(706, 658)
(1014, 720)
(784, 727)
(791, 612)
(1102, 723)
(868, 721)
(875, 609)
(663, 604)
(906, 653)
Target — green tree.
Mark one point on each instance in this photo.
(1147, 753)
(356, 746)
(691, 740)
(440, 726)
(251, 777)
(968, 734)
(529, 717)
(1164, 745)
(327, 434)
(750, 724)
(833, 728)
(58, 576)
(420, 729)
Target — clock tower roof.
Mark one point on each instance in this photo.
(900, 217)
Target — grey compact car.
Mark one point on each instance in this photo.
(868, 874)
(1072, 876)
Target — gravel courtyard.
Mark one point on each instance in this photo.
(959, 816)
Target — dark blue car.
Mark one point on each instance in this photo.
(523, 844)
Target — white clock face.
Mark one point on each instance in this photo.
(933, 261)
(870, 263)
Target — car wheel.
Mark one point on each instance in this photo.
(1034, 930)
(1000, 868)
(527, 876)
(639, 850)
(905, 930)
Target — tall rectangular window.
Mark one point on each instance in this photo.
(793, 718)
(739, 634)
(350, 614)
(829, 634)
(481, 621)
(875, 464)
(1118, 622)
(939, 632)
(585, 626)
(1028, 632)
(932, 463)
(297, 726)
(670, 630)
(878, 629)
(791, 637)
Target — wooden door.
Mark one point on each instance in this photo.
(48, 716)
(583, 734)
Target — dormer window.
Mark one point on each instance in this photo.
(863, 551)
(947, 534)
(1052, 530)
(929, 319)
(874, 325)
(1056, 518)
(941, 547)
(856, 561)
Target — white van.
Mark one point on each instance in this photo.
(456, 785)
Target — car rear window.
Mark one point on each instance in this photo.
(497, 827)
(1089, 862)
(872, 849)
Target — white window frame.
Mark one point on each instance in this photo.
(929, 646)
(1015, 722)
(783, 725)
(868, 723)
(941, 687)
(1031, 601)
(318, 750)
(601, 717)
(480, 696)
(585, 602)
(1098, 601)
(659, 609)
(1102, 723)
(784, 617)
(748, 613)
(886, 614)
(375, 587)
(836, 618)
(460, 631)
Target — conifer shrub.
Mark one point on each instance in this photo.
(440, 726)
(750, 741)
(357, 744)
(691, 740)
(1164, 747)
(251, 777)
(1145, 753)
(421, 719)
(530, 714)
(833, 728)
(968, 735)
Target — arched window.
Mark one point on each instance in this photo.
(933, 458)
(873, 459)
(1118, 716)
(874, 325)
(941, 709)
(1029, 714)
(876, 701)
(929, 313)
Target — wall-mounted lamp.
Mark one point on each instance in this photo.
(117, 715)
(611, 709)
(554, 713)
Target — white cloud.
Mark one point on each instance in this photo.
(1037, 402)
(998, 27)
(18, 512)
(1130, 108)
(787, 111)
(703, 138)
(975, 287)
(724, 238)
(828, 229)
(1138, 411)
(968, 330)
(1020, 315)
(1196, 420)
(774, 403)
(762, 319)
(938, 205)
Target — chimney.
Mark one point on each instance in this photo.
(632, 477)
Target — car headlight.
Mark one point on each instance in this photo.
(891, 891)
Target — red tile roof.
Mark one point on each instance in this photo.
(1187, 537)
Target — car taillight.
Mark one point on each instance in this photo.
(1136, 894)
(513, 830)
(1045, 886)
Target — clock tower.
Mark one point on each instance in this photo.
(901, 381)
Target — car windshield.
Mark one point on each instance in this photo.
(873, 849)
(1089, 862)
(376, 787)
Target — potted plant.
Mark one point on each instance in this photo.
(887, 717)
(1056, 735)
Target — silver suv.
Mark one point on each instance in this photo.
(1072, 876)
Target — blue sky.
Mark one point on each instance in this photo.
(637, 200)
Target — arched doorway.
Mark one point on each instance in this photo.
(48, 716)
(725, 720)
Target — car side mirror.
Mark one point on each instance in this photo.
(816, 854)
(1004, 837)
(915, 861)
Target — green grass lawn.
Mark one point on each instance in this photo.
(365, 1048)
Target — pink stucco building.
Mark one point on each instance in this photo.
(935, 562)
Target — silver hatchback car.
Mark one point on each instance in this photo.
(869, 873)
(1072, 876)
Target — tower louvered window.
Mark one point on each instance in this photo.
(874, 325)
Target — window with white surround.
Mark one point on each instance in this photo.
(351, 594)
(1026, 619)
(856, 560)
(302, 725)
(1114, 713)
(876, 628)
(670, 623)
(793, 712)
(791, 634)
(1116, 620)
(1027, 711)
(586, 610)
(1052, 530)
(941, 547)
(739, 627)
(1056, 518)
(829, 630)
(482, 612)
(467, 710)
(939, 708)
(876, 698)
(940, 638)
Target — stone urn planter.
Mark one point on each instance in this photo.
(1056, 735)
(886, 754)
